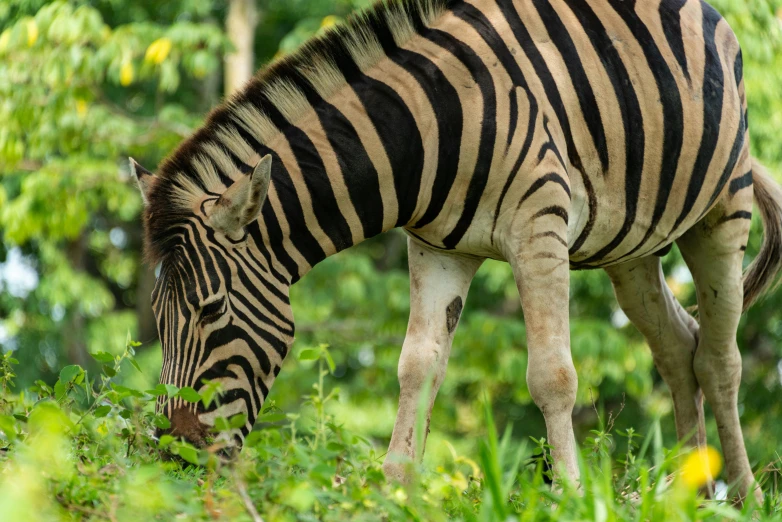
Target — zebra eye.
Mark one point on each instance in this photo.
(211, 312)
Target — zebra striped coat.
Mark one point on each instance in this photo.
(552, 134)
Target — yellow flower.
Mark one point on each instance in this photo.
(4, 39)
(32, 32)
(701, 466)
(81, 107)
(329, 21)
(158, 50)
(126, 73)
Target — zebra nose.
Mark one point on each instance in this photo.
(185, 424)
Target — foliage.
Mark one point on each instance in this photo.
(84, 450)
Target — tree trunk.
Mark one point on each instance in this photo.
(240, 26)
(74, 334)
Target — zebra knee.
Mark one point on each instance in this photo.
(718, 371)
(553, 387)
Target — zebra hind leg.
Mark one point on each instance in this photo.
(713, 250)
(438, 287)
(672, 335)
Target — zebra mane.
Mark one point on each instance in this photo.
(220, 151)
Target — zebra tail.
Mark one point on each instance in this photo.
(762, 275)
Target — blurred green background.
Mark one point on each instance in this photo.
(84, 85)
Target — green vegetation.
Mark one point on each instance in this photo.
(82, 450)
(83, 85)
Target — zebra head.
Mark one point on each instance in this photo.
(222, 316)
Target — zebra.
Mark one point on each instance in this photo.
(551, 134)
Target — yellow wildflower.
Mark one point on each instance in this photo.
(126, 74)
(701, 466)
(32, 32)
(329, 21)
(81, 107)
(4, 39)
(158, 50)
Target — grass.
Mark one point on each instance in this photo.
(82, 450)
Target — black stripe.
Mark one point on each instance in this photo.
(555, 210)
(275, 241)
(741, 214)
(527, 44)
(713, 88)
(673, 117)
(632, 120)
(447, 109)
(358, 172)
(592, 203)
(551, 234)
(533, 117)
(489, 34)
(221, 257)
(245, 263)
(552, 177)
(586, 97)
(513, 118)
(740, 183)
(398, 131)
(550, 145)
(324, 202)
(670, 16)
(424, 241)
(220, 369)
(300, 235)
(738, 68)
(197, 254)
(730, 166)
(482, 77)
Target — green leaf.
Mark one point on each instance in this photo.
(109, 371)
(329, 361)
(253, 438)
(163, 389)
(189, 394)
(135, 364)
(160, 421)
(221, 424)
(102, 411)
(207, 395)
(125, 391)
(69, 373)
(59, 390)
(103, 357)
(272, 417)
(165, 440)
(309, 354)
(8, 426)
(238, 421)
(188, 453)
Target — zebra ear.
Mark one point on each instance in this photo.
(145, 179)
(241, 203)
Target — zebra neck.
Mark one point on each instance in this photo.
(348, 171)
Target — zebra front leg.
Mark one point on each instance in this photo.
(672, 335)
(438, 287)
(542, 273)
